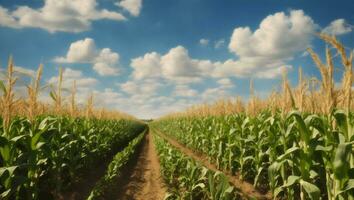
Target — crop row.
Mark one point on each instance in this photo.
(187, 179)
(114, 169)
(41, 158)
(297, 156)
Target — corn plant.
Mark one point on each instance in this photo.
(294, 156)
(44, 156)
(114, 168)
(187, 179)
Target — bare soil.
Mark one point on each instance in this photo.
(245, 188)
(142, 180)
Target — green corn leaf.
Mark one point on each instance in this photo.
(349, 185)
(277, 191)
(304, 132)
(5, 194)
(10, 170)
(312, 190)
(288, 152)
(341, 120)
(322, 148)
(35, 139)
(5, 152)
(341, 160)
(17, 138)
(199, 185)
(291, 181)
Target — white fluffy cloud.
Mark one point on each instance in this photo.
(147, 66)
(71, 75)
(64, 15)
(105, 61)
(278, 38)
(259, 68)
(212, 94)
(19, 72)
(146, 87)
(25, 71)
(82, 51)
(176, 65)
(85, 85)
(6, 19)
(132, 6)
(108, 97)
(338, 27)
(185, 91)
(204, 42)
(225, 83)
(262, 53)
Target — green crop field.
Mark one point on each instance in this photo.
(176, 100)
(293, 156)
(283, 147)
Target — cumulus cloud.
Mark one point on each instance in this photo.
(265, 52)
(108, 97)
(258, 68)
(64, 15)
(104, 61)
(82, 51)
(176, 65)
(7, 20)
(212, 94)
(19, 72)
(132, 6)
(71, 75)
(146, 87)
(338, 27)
(85, 85)
(185, 91)
(225, 83)
(262, 53)
(204, 42)
(278, 37)
(25, 71)
(147, 66)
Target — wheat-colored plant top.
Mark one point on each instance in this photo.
(31, 107)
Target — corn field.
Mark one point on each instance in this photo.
(189, 180)
(295, 144)
(289, 146)
(45, 149)
(299, 156)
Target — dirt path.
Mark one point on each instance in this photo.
(246, 188)
(143, 180)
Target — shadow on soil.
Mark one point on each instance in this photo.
(81, 189)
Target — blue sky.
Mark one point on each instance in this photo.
(152, 57)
